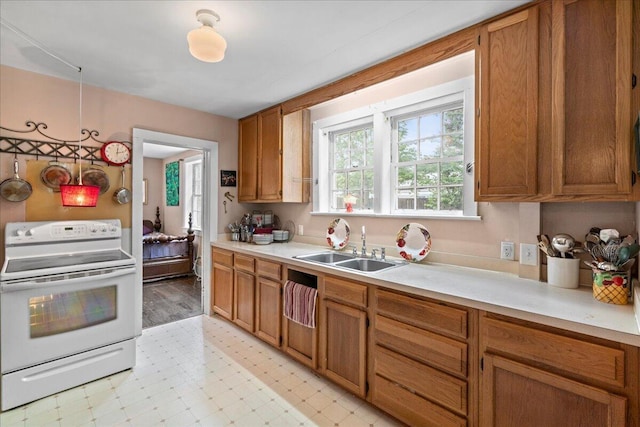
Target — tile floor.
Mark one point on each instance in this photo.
(203, 371)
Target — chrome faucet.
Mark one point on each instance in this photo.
(364, 243)
(373, 253)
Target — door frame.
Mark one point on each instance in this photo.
(209, 209)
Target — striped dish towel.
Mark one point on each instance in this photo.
(300, 303)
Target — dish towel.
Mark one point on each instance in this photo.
(300, 303)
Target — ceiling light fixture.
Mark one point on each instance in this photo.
(205, 43)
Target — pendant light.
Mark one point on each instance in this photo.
(205, 43)
(79, 195)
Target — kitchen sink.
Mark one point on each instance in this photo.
(367, 264)
(351, 262)
(325, 257)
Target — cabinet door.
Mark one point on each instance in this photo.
(269, 311)
(222, 291)
(507, 136)
(514, 394)
(248, 159)
(591, 83)
(244, 300)
(344, 360)
(270, 155)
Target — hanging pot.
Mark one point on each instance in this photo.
(15, 189)
(54, 175)
(96, 176)
(122, 196)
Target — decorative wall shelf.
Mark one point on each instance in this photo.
(54, 147)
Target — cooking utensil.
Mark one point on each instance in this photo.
(122, 195)
(544, 239)
(95, 176)
(608, 234)
(563, 243)
(54, 175)
(625, 253)
(15, 189)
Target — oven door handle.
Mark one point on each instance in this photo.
(64, 279)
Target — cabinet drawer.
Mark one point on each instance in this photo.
(342, 290)
(433, 349)
(244, 263)
(423, 314)
(411, 408)
(568, 354)
(223, 257)
(272, 270)
(427, 382)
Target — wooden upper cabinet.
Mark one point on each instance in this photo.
(248, 159)
(270, 155)
(506, 152)
(591, 90)
(274, 157)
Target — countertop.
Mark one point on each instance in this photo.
(570, 309)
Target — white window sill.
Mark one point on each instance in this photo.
(397, 216)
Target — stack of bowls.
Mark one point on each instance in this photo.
(262, 239)
(280, 235)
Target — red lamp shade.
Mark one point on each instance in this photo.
(85, 196)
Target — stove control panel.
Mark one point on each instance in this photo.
(17, 233)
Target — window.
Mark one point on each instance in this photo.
(404, 157)
(193, 192)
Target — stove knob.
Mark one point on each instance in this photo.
(20, 232)
(31, 232)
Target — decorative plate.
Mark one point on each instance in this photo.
(413, 242)
(338, 234)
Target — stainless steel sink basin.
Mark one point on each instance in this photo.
(349, 261)
(325, 257)
(367, 264)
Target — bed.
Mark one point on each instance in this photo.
(165, 255)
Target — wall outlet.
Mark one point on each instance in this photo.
(507, 250)
(300, 230)
(528, 254)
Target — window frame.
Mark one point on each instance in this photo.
(188, 165)
(381, 115)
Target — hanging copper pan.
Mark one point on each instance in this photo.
(54, 175)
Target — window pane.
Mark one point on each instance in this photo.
(427, 174)
(337, 199)
(368, 179)
(428, 198)
(355, 180)
(452, 173)
(407, 152)
(340, 181)
(430, 148)
(408, 130)
(453, 145)
(367, 200)
(405, 176)
(453, 120)
(430, 125)
(451, 198)
(405, 199)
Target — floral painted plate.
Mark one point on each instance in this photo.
(413, 242)
(338, 234)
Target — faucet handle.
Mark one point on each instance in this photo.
(373, 253)
(383, 254)
(354, 249)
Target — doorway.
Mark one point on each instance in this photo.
(209, 150)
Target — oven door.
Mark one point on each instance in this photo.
(43, 320)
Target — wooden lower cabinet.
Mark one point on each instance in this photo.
(244, 300)
(300, 343)
(222, 284)
(269, 311)
(515, 394)
(344, 358)
(539, 376)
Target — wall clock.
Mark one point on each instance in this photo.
(115, 153)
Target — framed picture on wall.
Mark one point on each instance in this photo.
(227, 178)
(172, 176)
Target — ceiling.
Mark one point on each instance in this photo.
(276, 49)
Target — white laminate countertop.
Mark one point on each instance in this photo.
(571, 309)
